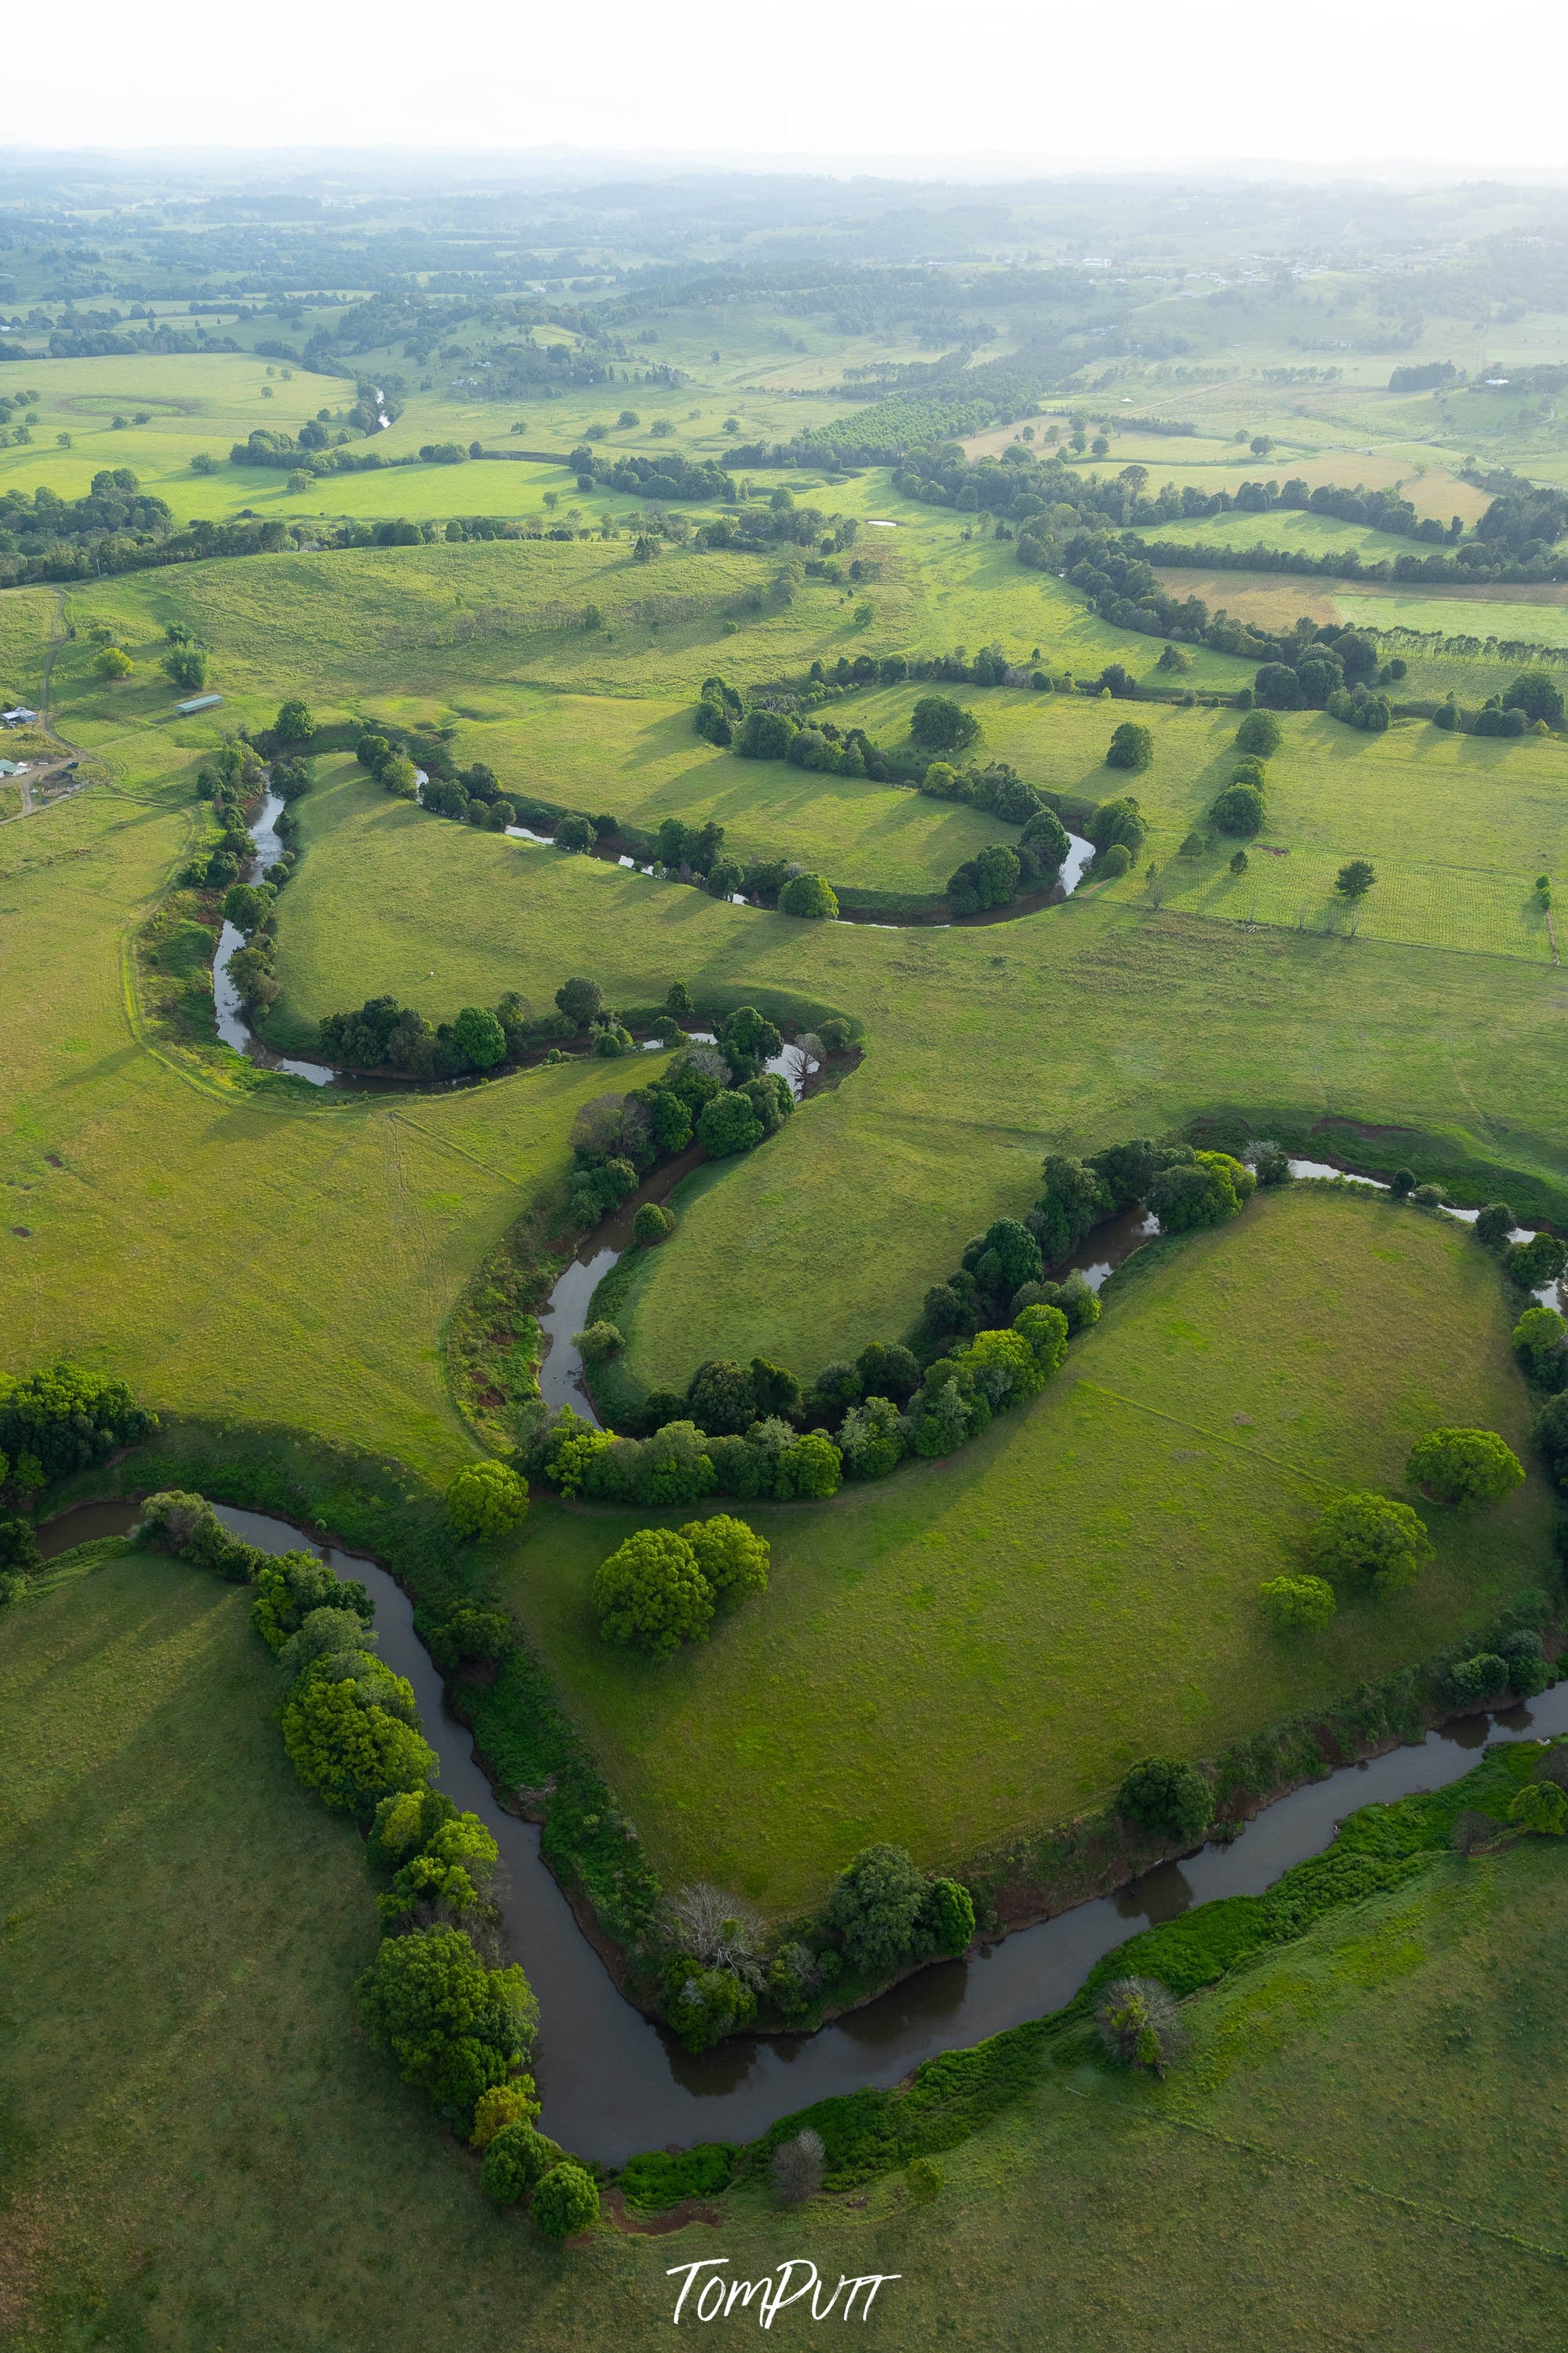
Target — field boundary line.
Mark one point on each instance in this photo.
(1216, 1437)
(1349, 2182)
(447, 1145)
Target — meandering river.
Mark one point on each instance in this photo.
(612, 2083)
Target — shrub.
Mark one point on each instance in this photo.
(923, 2178)
(1259, 733)
(722, 1396)
(454, 2025)
(1481, 1678)
(680, 1470)
(479, 1038)
(1132, 746)
(797, 2169)
(1494, 1224)
(1004, 1366)
(1239, 811)
(651, 1595)
(517, 2158)
(1535, 1264)
(885, 1370)
(351, 1750)
(288, 1585)
(1296, 1602)
(598, 1341)
(1046, 1329)
(1371, 1540)
(512, 2103)
(873, 1439)
(1115, 862)
(727, 1125)
(876, 1906)
(1538, 1339)
(658, 2179)
(1550, 1435)
(731, 1555)
(1463, 1466)
(809, 895)
(947, 1916)
(813, 1467)
(652, 1223)
(1540, 1806)
(1139, 2023)
(486, 1500)
(1114, 821)
(1277, 688)
(704, 2005)
(1204, 1191)
(1168, 1798)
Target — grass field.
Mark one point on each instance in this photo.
(1292, 530)
(220, 1251)
(987, 1048)
(202, 2152)
(986, 1642)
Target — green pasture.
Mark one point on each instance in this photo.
(227, 1252)
(445, 626)
(987, 1643)
(640, 762)
(449, 628)
(26, 625)
(987, 1046)
(1528, 617)
(203, 2151)
(1494, 809)
(1295, 532)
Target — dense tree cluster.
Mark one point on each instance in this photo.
(660, 1588)
(458, 2026)
(64, 1418)
(40, 522)
(671, 475)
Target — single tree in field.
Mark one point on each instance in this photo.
(1355, 878)
(1369, 1539)
(1463, 1466)
(940, 724)
(1139, 2023)
(1132, 746)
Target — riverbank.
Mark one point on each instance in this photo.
(612, 2080)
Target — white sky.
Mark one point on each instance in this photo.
(1129, 85)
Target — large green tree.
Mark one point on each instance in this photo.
(651, 1595)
